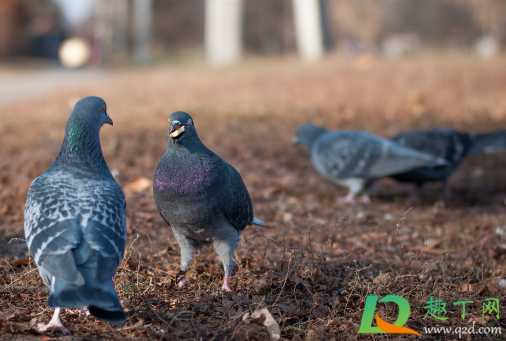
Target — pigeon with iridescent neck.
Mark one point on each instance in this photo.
(75, 222)
(201, 197)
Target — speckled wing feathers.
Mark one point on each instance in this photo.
(345, 155)
(356, 154)
(61, 212)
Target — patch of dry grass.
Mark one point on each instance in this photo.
(452, 251)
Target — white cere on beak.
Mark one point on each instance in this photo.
(177, 132)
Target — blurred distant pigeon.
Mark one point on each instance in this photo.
(201, 197)
(451, 145)
(75, 221)
(353, 158)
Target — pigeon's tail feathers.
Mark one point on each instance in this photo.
(399, 159)
(489, 142)
(114, 317)
(103, 302)
(258, 222)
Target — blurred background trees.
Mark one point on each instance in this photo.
(110, 27)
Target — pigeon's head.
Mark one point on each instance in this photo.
(90, 112)
(307, 134)
(181, 126)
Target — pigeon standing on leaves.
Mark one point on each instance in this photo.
(201, 197)
(451, 145)
(75, 221)
(354, 158)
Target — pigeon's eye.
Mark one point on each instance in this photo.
(103, 108)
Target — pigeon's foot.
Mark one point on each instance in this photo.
(365, 199)
(54, 324)
(226, 284)
(181, 281)
(41, 328)
(182, 284)
(350, 199)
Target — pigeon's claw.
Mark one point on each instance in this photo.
(226, 284)
(41, 328)
(54, 324)
(182, 284)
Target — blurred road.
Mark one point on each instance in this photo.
(15, 86)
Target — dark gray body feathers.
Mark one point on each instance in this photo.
(453, 146)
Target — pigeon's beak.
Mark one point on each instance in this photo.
(295, 141)
(176, 131)
(109, 120)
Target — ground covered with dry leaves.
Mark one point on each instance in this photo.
(451, 250)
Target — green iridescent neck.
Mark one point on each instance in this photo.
(81, 147)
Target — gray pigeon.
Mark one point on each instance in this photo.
(354, 158)
(75, 221)
(451, 145)
(201, 197)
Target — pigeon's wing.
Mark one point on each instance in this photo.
(103, 210)
(65, 218)
(356, 154)
(447, 144)
(397, 159)
(345, 154)
(51, 228)
(238, 207)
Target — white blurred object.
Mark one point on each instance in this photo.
(223, 31)
(397, 45)
(487, 47)
(500, 231)
(115, 172)
(143, 11)
(75, 12)
(74, 52)
(502, 283)
(308, 28)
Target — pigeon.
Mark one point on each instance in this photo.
(201, 197)
(451, 145)
(75, 222)
(355, 158)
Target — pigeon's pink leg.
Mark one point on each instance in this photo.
(182, 283)
(54, 324)
(226, 284)
(365, 198)
(350, 199)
